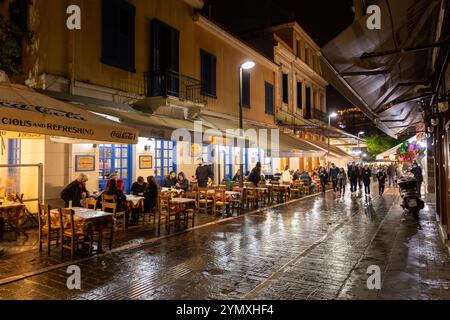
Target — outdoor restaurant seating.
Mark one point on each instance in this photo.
(71, 236)
(48, 230)
(166, 212)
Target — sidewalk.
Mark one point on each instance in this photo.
(314, 248)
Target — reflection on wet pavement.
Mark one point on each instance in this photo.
(315, 248)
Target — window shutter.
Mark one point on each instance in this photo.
(299, 95)
(245, 88)
(285, 88)
(208, 73)
(269, 98)
(308, 103)
(109, 30)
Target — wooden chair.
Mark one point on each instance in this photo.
(119, 217)
(71, 238)
(220, 202)
(205, 201)
(166, 212)
(90, 204)
(296, 188)
(236, 202)
(108, 198)
(47, 230)
(251, 197)
(190, 213)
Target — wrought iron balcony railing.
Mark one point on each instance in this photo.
(171, 83)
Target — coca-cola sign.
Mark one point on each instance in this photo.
(123, 135)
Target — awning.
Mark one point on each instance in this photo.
(334, 151)
(24, 110)
(290, 147)
(385, 72)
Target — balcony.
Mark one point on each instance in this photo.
(172, 94)
(319, 115)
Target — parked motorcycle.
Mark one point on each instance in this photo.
(411, 204)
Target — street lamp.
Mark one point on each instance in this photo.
(331, 115)
(247, 65)
(359, 149)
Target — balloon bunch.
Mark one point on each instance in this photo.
(409, 152)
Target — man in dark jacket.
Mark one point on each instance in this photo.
(353, 176)
(417, 172)
(138, 188)
(255, 175)
(333, 173)
(75, 191)
(203, 174)
(171, 180)
(366, 174)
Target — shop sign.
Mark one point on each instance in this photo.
(85, 163)
(145, 162)
(20, 135)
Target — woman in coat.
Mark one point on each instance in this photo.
(151, 194)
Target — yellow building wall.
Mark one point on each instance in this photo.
(57, 45)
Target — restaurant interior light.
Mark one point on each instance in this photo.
(248, 65)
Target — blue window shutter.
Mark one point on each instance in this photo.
(285, 88)
(299, 95)
(246, 88)
(118, 34)
(269, 98)
(208, 73)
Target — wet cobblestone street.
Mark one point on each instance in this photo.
(313, 248)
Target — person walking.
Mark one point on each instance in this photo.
(366, 175)
(360, 169)
(417, 172)
(323, 176)
(333, 173)
(381, 177)
(353, 175)
(391, 172)
(342, 181)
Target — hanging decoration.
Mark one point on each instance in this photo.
(409, 152)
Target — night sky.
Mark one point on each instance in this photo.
(321, 19)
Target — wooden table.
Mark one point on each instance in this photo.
(89, 221)
(14, 214)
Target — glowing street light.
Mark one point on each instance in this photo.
(247, 65)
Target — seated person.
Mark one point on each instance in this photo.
(237, 176)
(182, 182)
(113, 189)
(171, 180)
(138, 188)
(151, 194)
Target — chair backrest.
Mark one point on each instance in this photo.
(109, 207)
(261, 184)
(90, 204)
(219, 195)
(108, 198)
(220, 188)
(67, 219)
(191, 195)
(274, 182)
(236, 188)
(44, 215)
(19, 197)
(251, 192)
(249, 184)
(164, 201)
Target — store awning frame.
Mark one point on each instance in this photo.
(25, 110)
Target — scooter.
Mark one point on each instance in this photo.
(411, 204)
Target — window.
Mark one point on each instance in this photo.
(118, 29)
(308, 103)
(269, 98)
(322, 102)
(285, 88)
(115, 158)
(299, 49)
(315, 99)
(208, 73)
(307, 55)
(245, 88)
(14, 151)
(299, 95)
(164, 153)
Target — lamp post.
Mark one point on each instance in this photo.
(359, 149)
(247, 65)
(332, 115)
